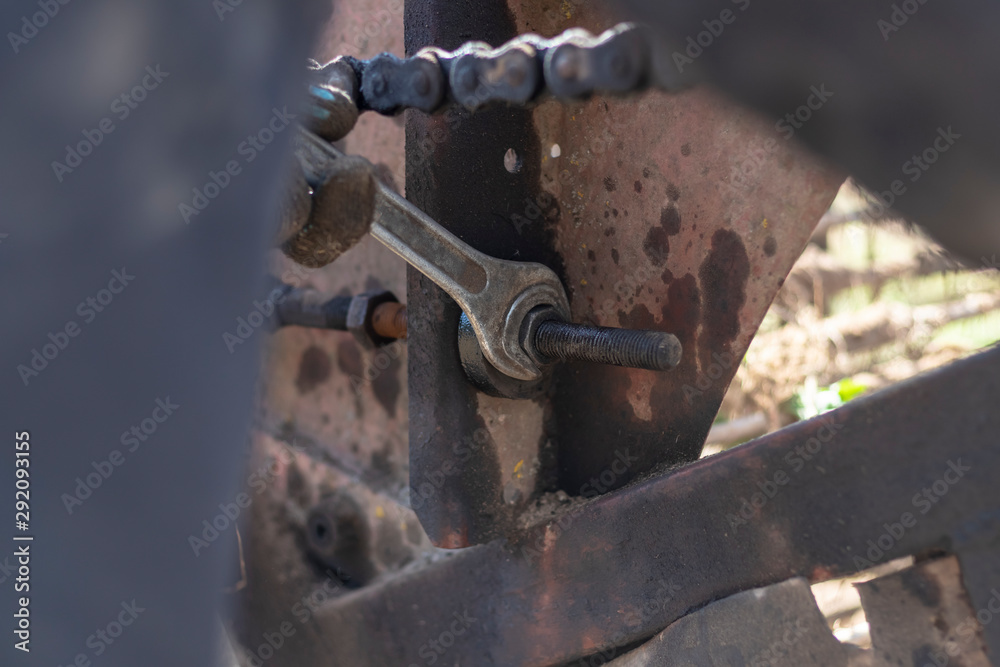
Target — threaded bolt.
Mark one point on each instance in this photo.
(565, 341)
(389, 320)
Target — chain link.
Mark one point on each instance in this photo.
(526, 70)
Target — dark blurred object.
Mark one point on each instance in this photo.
(143, 142)
(380, 317)
(909, 93)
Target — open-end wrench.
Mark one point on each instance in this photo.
(496, 295)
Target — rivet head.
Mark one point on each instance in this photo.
(567, 63)
(516, 73)
(467, 78)
(618, 65)
(421, 83)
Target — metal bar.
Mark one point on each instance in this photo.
(833, 495)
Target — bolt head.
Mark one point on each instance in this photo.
(359, 318)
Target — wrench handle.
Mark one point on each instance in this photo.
(430, 248)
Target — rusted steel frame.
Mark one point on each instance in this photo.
(820, 499)
(679, 212)
(460, 447)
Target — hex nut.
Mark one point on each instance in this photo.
(359, 318)
(485, 377)
(528, 328)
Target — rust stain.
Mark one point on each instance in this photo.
(770, 246)
(657, 245)
(314, 369)
(723, 277)
(682, 311)
(657, 242)
(670, 219)
(386, 386)
(349, 359)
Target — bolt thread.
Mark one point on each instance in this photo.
(650, 350)
(389, 320)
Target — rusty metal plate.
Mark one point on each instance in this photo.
(923, 614)
(675, 211)
(687, 221)
(680, 211)
(819, 499)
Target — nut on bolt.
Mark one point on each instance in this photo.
(529, 329)
(361, 315)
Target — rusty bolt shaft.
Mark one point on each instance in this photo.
(565, 341)
(389, 320)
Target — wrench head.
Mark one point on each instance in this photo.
(513, 289)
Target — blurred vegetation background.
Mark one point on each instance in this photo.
(870, 302)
